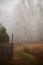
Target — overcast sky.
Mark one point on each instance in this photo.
(8, 4)
(6, 12)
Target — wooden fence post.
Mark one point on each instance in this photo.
(12, 46)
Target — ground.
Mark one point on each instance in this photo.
(27, 54)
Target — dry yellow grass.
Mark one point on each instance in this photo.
(31, 46)
(34, 47)
(23, 58)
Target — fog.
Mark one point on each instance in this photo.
(25, 21)
(28, 25)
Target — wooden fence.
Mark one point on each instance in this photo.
(6, 51)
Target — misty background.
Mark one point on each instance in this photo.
(23, 18)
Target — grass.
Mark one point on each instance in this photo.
(27, 57)
(31, 57)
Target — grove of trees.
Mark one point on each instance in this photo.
(4, 38)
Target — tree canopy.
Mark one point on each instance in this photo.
(4, 38)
